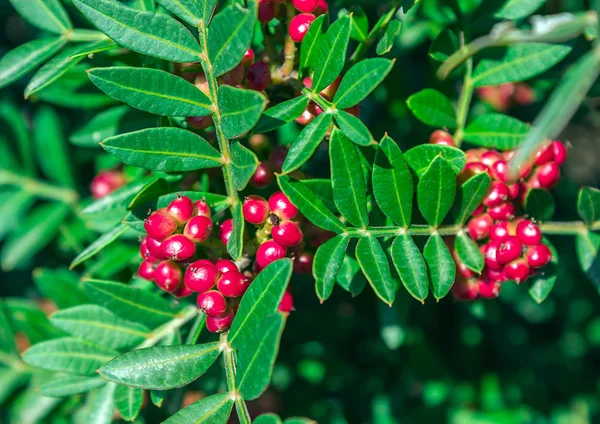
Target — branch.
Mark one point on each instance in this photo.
(230, 370)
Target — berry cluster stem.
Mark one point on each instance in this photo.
(39, 188)
(229, 362)
(464, 101)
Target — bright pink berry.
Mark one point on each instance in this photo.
(258, 76)
(442, 138)
(490, 252)
(266, 11)
(490, 157)
(220, 324)
(263, 176)
(105, 183)
(509, 249)
(233, 284)
(465, 290)
(225, 265)
(517, 270)
(463, 270)
(287, 303)
(255, 209)
(212, 303)
(201, 276)
(154, 248)
(470, 170)
(305, 6)
(500, 171)
(168, 276)
(499, 231)
(303, 263)
(548, 175)
(502, 212)
(145, 251)
(544, 155)
(281, 206)
(202, 208)
(529, 233)
(199, 122)
(198, 228)
(146, 270)
(488, 289)
(299, 25)
(226, 230)
(498, 193)
(479, 210)
(287, 234)
(495, 276)
(182, 209)
(514, 190)
(160, 225)
(182, 291)
(560, 152)
(306, 118)
(479, 226)
(248, 58)
(538, 256)
(178, 247)
(269, 252)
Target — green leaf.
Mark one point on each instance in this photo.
(361, 80)
(322, 188)
(152, 90)
(389, 37)
(95, 47)
(496, 131)
(161, 367)
(588, 205)
(310, 47)
(213, 409)
(360, 23)
(239, 109)
(433, 108)
(26, 317)
(229, 37)
(350, 278)
(436, 191)
(420, 157)
(51, 146)
(7, 339)
(468, 252)
(281, 114)
(376, 267)
(191, 11)
(63, 287)
(118, 199)
(260, 301)
(128, 401)
(518, 9)
(442, 269)
(332, 53)
(521, 61)
(47, 15)
(154, 34)
(539, 204)
(149, 192)
(99, 325)
(71, 385)
(73, 356)
(131, 303)
(541, 284)
(353, 128)
(410, 266)
(327, 263)
(163, 149)
(25, 58)
(393, 185)
(587, 245)
(101, 405)
(444, 45)
(307, 142)
(255, 362)
(269, 418)
(32, 234)
(235, 245)
(13, 206)
(469, 196)
(310, 205)
(158, 397)
(53, 70)
(243, 165)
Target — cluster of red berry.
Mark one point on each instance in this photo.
(502, 97)
(105, 182)
(512, 247)
(299, 24)
(313, 109)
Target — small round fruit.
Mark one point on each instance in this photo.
(306, 118)
(465, 290)
(502, 212)
(498, 193)
(269, 252)
(266, 11)
(202, 208)
(182, 292)
(303, 263)
(470, 170)
(178, 247)
(220, 324)
(500, 171)
(281, 206)
(538, 256)
(509, 249)
(479, 226)
(233, 284)
(199, 122)
(258, 76)
(495, 276)
(287, 303)
(226, 230)
(198, 228)
(182, 209)
(442, 138)
(225, 265)
(255, 209)
(517, 270)
(305, 6)
(167, 276)
(299, 25)
(287, 233)
(544, 155)
(548, 175)
(248, 58)
(201, 276)
(212, 303)
(146, 270)
(153, 247)
(490, 252)
(560, 152)
(529, 233)
(499, 231)
(105, 183)
(322, 7)
(235, 76)
(490, 157)
(145, 251)
(488, 289)
(463, 270)
(263, 176)
(160, 225)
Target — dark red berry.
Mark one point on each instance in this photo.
(263, 175)
(146, 270)
(299, 25)
(306, 6)
(488, 289)
(201, 276)
(198, 228)
(544, 155)
(266, 11)
(277, 157)
(256, 210)
(233, 284)
(202, 208)
(106, 182)
(287, 303)
(235, 76)
(479, 226)
(560, 152)
(154, 248)
(225, 265)
(303, 263)
(199, 122)
(212, 303)
(182, 291)
(269, 252)
(145, 251)
(495, 276)
(178, 247)
(498, 193)
(517, 270)
(465, 290)
(538, 256)
(182, 209)
(281, 206)
(168, 276)
(322, 7)
(529, 233)
(226, 230)
(160, 225)
(442, 138)
(509, 249)
(490, 252)
(502, 212)
(258, 76)
(287, 233)
(220, 324)
(547, 175)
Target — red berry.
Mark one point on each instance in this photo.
(502, 212)
(235, 76)
(314, 109)
(201, 276)
(490, 251)
(266, 11)
(182, 209)
(182, 291)
(442, 138)
(220, 324)
(277, 157)
(226, 230)
(154, 249)
(517, 270)
(329, 91)
(225, 265)
(495, 276)
(500, 171)
(463, 270)
(514, 190)
(212, 303)
(560, 152)
(544, 155)
(258, 76)
(299, 25)
(509, 249)
(255, 209)
(233, 284)
(281, 206)
(287, 303)
(146, 270)
(479, 227)
(263, 175)
(497, 194)
(199, 122)
(499, 231)
(105, 183)
(353, 110)
(470, 170)
(198, 228)
(168, 276)
(538, 256)
(488, 289)
(479, 210)
(160, 225)
(490, 157)
(178, 247)
(145, 251)
(287, 234)
(306, 118)
(548, 175)
(322, 7)
(529, 233)
(248, 58)
(303, 263)
(202, 208)
(306, 6)
(465, 290)
(269, 252)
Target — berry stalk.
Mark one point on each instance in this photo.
(464, 102)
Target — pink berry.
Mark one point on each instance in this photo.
(233, 284)
(299, 25)
(178, 247)
(442, 138)
(225, 265)
(538, 256)
(305, 6)
(465, 290)
(306, 118)
(220, 324)
(499, 231)
(182, 209)
(509, 249)
(548, 175)
(160, 225)
(154, 249)
(212, 303)
(529, 233)
(470, 170)
(560, 152)
(248, 58)
(266, 11)
(201, 276)
(322, 7)
(517, 270)
(514, 190)
(497, 194)
(287, 303)
(479, 227)
(463, 270)
(490, 252)
(226, 230)
(258, 76)
(287, 234)
(263, 176)
(488, 289)
(281, 206)
(105, 183)
(269, 252)
(202, 208)
(182, 291)
(479, 210)
(495, 276)
(199, 122)
(303, 263)
(490, 157)
(146, 270)
(198, 228)
(500, 171)
(255, 209)
(168, 276)
(544, 155)
(502, 212)
(145, 251)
